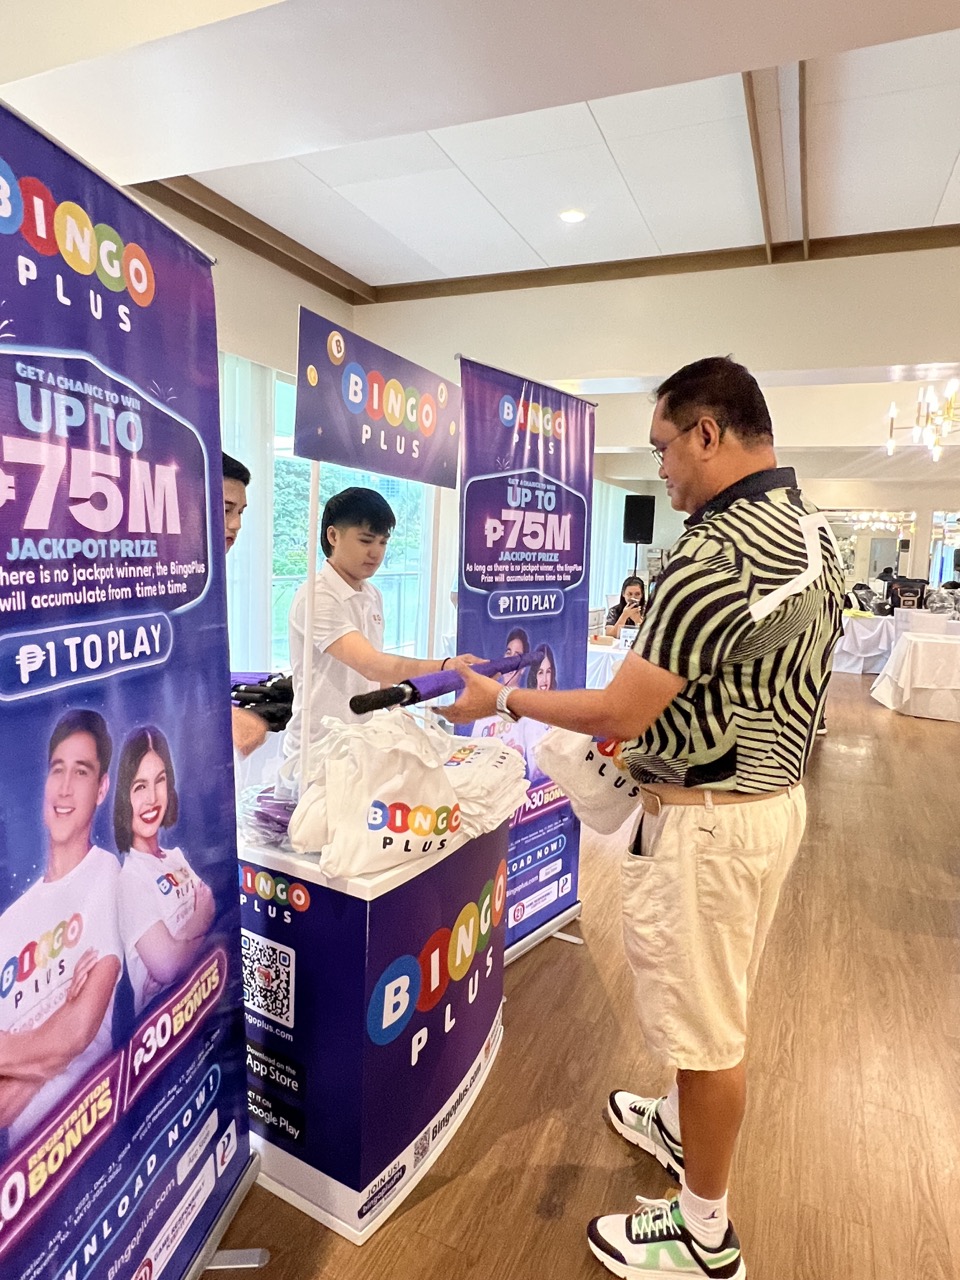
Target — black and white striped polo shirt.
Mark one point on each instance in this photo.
(748, 612)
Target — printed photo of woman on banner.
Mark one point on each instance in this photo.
(165, 908)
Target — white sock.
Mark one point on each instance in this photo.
(706, 1219)
(669, 1112)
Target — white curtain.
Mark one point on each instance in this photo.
(247, 421)
(611, 560)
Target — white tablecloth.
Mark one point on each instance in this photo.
(922, 677)
(603, 662)
(259, 769)
(864, 646)
(923, 622)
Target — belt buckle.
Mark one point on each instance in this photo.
(650, 802)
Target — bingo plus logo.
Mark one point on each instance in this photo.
(266, 893)
(527, 415)
(420, 820)
(416, 984)
(52, 227)
(40, 955)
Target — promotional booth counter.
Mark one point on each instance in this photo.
(373, 1004)
(373, 1017)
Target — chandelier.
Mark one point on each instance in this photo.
(898, 522)
(933, 420)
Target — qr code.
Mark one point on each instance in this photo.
(421, 1147)
(269, 969)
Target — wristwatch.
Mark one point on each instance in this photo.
(503, 711)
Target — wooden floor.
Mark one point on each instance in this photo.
(849, 1162)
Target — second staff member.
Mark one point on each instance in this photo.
(348, 655)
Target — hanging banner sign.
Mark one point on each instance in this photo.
(525, 545)
(364, 407)
(123, 1128)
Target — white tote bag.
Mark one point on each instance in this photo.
(381, 797)
(603, 795)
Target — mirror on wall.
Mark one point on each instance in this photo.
(872, 541)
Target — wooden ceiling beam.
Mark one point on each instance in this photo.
(193, 200)
(750, 96)
(802, 100)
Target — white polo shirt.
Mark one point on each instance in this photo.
(48, 929)
(338, 610)
(152, 889)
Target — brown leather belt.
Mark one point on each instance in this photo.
(660, 794)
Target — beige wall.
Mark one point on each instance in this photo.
(853, 313)
(257, 303)
(849, 313)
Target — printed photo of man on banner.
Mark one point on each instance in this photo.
(123, 1119)
(526, 478)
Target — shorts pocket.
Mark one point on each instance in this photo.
(729, 882)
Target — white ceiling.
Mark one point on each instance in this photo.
(423, 141)
(416, 140)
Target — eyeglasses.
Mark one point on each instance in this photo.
(658, 453)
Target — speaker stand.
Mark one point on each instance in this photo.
(636, 557)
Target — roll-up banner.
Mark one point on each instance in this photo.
(123, 1129)
(527, 470)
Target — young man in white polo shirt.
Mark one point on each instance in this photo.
(348, 655)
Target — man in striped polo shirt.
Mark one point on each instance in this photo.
(716, 707)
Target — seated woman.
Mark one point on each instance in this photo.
(165, 908)
(629, 609)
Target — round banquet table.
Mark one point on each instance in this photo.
(603, 662)
(922, 677)
(865, 645)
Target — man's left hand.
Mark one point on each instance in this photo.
(249, 730)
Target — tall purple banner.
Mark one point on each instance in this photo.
(527, 472)
(364, 407)
(123, 1128)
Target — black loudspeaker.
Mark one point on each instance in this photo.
(638, 518)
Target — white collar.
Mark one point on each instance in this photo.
(338, 586)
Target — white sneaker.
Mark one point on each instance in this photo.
(654, 1244)
(638, 1120)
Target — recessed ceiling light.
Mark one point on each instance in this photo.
(572, 215)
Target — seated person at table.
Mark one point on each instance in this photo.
(629, 609)
(348, 655)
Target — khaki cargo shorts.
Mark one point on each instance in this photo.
(700, 888)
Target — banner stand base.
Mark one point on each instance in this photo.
(208, 1256)
(549, 929)
(568, 937)
(239, 1260)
